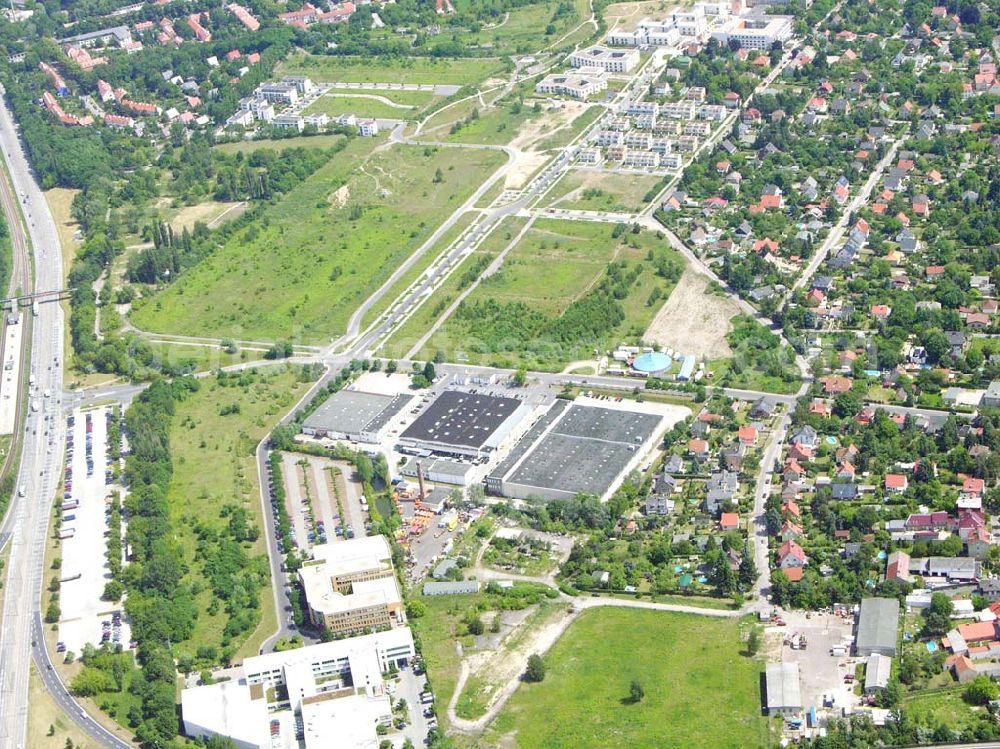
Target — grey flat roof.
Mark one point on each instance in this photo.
(783, 686)
(585, 450)
(877, 669)
(877, 624)
(461, 419)
(351, 411)
(438, 465)
(460, 587)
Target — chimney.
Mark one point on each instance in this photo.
(420, 480)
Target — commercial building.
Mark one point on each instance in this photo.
(783, 692)
(350, 586)
(755, 31)
(355, 415)
(465, 424)
(441, 471)
(456, 588)
(303, 697)
(877, 669)
(877, 624)
(608, 60)
(573, 448)
(577, 85)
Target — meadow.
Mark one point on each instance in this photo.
(213, 437)
(426, 70)
(543, 308)
(700, 690)
(300, 271)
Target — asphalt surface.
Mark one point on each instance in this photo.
(40, 470)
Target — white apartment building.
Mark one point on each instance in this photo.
(662, 146)
(671, 161)
(303, 697)
(637, 108)
(754, 31)
(687, 144)
(609, 60)
(641, 160)
(712, 112)
(639, 140)
(679, 110)
(697, 128)
(284, 93)
(645, 122)
(569, 84)
(591, 156)
(607, 138)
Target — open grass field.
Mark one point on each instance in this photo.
(601, 191)
(45, 715)
(463, 223)
(943, 707)
(555, 264)
(201, 437)
(526, 29)
(372, 105)
(300, 272)
(279, 144)
(426, 70)
(197, 358)
(432, 308)
(686, 664)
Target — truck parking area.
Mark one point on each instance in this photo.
(85, 512)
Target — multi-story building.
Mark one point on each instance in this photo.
(639, 140)
(645, 122)
(590, 156)
(712, 112)
(640, 108)
(697, 128)
(607, 138)
(662, 146)
(755, 31)
(284, 93)
(617, 152)
(687, 144)
(351, 587)
(642, 160)
(671, 160)
(609, 60)
(679, 110)
(578, 86)
(307, 697)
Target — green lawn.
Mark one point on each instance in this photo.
(425, 70)
(495, 126)
(301, 270)
(195, 358)
(367, 105)
(556, 263)
(601, 191)
(699, 690)
(213, 459)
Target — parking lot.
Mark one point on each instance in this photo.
(821, 673)
(323, 500)
(85, 509)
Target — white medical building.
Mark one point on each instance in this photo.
(315, 697)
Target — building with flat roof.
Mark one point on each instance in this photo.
(577, 85)
(303, 697)
(609, 60)
(573, 449)
(755, 31)
(456, 588)
(441, 471)
(465, 424)
(783, 692)
(354, 415)
(877, 625)
(350, 586)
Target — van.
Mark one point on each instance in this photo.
(21, 490)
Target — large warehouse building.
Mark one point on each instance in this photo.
(878, 621)
(354, 415)
(465, 424)
(573, 448)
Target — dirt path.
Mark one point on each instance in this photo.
(692, 321)
(516, 661)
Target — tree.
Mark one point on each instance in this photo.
(635, 692)
(536, 668)
(937, 617)
(429, 372)
(981, 690)
(476, 626)
(754, 640)
(520, 377)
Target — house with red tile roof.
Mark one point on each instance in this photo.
(748, 435)
(895, 483)
(729, 521)
(790, 554)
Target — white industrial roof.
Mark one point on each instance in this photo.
(783, 686)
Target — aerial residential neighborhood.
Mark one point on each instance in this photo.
(527, 374)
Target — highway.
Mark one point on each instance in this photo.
(40, 469)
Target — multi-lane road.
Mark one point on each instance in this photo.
(41, 455)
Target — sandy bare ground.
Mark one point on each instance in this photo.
(522, 168)
(555, 119)
(693, 321)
